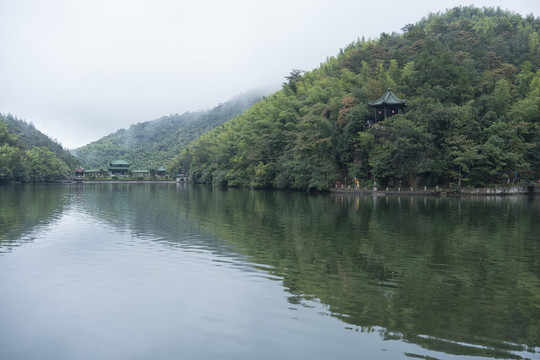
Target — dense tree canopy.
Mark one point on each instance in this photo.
(152, 144)
(472, 83)
(27, 155)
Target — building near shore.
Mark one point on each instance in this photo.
(119, 168)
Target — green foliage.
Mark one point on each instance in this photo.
(27, 155)
(470, 76)
(471, 79)
(465, 154)
(45, 166)
(156, 143)
(402, 153)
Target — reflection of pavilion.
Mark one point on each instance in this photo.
(387, 105)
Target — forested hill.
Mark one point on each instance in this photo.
(28, 155)
(151, 144)
(472, 84)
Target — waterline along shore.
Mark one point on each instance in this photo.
(350, 189)
(119, 182)
(514, 190)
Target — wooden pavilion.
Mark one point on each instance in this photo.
(387, 105)
(79, 171)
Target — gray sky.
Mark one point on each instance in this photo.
(80, 70)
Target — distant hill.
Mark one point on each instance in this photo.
(29, 136)
(152, 144)
(28, 155)
(471, 81)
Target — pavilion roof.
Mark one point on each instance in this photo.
(389, 98)
(120, 162)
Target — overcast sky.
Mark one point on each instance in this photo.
(80, 70)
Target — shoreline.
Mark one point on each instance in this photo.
(514, 190)
(385, 193)
(130, 182)
(120, 182)
(488, 191)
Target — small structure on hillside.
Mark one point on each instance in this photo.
(161, 171)
(387, 105)
(79, 171)
(119, 168)
(79, 174)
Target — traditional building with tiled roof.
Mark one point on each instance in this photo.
(119, 168)
(161, 171)
(387, 105)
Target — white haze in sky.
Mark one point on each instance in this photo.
(80, 70)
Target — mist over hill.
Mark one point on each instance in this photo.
(470, 78)
(152, 144)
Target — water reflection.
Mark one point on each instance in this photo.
(25, 209)
(463, 270)
(452, 275)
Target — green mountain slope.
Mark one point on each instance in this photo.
(149, 145)
(470, 78)
(28, 155)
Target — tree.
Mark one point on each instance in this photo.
(6, 162)
(292, 79)
(6, 137)
(45, 166)
(464, 154)
(502, 97)
(404, 155)
(472, 83)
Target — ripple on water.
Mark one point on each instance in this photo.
(124, 273)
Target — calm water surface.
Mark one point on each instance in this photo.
(166, 271)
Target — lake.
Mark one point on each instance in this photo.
(170, 271)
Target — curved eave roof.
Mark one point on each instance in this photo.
(388, 99)
(120, 162)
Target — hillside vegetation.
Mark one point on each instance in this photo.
(28, 155)
(152, 144)
(471, 80)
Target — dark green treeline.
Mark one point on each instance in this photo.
(472, 83)
(28, 155)
(152, 144)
